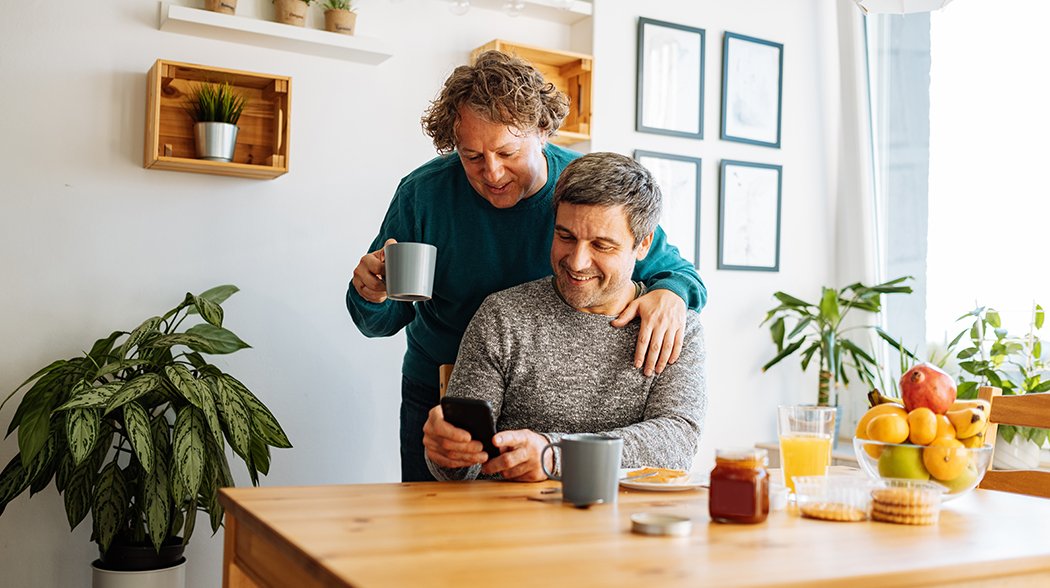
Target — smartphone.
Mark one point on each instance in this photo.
(475, 417)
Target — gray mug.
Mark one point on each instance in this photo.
(410, 271)
(590, 468)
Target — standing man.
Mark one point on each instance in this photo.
(547, 359)
(486, 205)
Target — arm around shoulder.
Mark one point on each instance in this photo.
(664, 268)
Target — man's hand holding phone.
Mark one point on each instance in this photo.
(449, 446)
(520, 457)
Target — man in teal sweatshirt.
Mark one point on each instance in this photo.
(486, 205)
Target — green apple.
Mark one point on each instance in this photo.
(963, 481)
(902, 462)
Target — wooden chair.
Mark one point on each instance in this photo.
(444, 375)
(1027, 410)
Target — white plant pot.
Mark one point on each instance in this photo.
(173, 577)
(1019, 454)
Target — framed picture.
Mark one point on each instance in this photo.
(752, 84)
(679, 180)
(749, 216)
(670, 82)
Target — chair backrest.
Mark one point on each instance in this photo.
(1026, 410)
(444, 375)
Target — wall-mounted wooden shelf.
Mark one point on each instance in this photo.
(272, 35)
(262, 142)
(569, 72)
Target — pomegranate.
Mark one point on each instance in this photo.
(927, 385)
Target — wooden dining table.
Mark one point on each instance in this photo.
(489, 533)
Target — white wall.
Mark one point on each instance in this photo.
(742, 399)
(90, 241)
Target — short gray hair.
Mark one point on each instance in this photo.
(610, 179)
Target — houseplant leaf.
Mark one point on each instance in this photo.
(211, 413)
(188, 448)
(44, 370)
(95, 397)
(264, 423)
(36, 416)
(185, 383)
(208, 310)
(13, 481)
(110, 502)
(133, 390)
(82, 426)
(148, 327)
(235, 415)
(220, 340)
(158, 498)
(137, 427)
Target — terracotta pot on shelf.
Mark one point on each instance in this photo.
(340, 21)
(291, 12)
(223, 6)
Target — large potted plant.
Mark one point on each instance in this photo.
(820, 330)
(134, 433)
(215, 110)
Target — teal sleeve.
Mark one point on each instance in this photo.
(385, 318)
(663, 268)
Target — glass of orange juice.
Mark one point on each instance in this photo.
(805, 440)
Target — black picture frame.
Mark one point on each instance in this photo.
(670, 79)
(749, 209)
(752, 90)
(679, 179)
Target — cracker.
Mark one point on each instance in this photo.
(905, 496)
(660, 475)
(929, 519)
(833, 511)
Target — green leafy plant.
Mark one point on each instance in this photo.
(216, 103)
(990, 356)
(134, 431)
(339, 5)
(818, 330)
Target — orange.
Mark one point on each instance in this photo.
(888, 428)
(946, 458)
(922, 426)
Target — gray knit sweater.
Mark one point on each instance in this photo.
(547, 367)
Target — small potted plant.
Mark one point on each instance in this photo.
(134, 433)
(340, 17)
(292, 12)
(223, 6)
(215, 110)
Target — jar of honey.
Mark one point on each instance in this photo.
(739, 491)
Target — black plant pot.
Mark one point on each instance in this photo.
(124, 556)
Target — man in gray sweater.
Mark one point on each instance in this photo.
(544, 355)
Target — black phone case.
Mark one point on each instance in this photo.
(475, 417)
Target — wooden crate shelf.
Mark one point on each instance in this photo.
(265, 125)
(569, 72)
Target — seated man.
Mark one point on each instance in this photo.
(546, 358)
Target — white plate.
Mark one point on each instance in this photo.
(692, 482)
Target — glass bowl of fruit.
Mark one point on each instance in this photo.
(944, 460)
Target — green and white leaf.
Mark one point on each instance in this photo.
(110, 504)
(219, 340)
(211, 413)
(133, 390)
(93, 397)
(209, 310)
(157, 501)
(137, 427)
(79, 493)
(189, 448)
(140, 334)
(81, 432)
(13, 481)
(235, 414)
(264, 423)
(183, 380)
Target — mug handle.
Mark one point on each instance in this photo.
(543, 461)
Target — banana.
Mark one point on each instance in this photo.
(876, 398)
(968, 422)
(975, 441)
(977, 403)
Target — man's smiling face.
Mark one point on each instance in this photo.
(503, 164)
(593, 257)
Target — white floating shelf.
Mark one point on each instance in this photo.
(563, 11)
(272, 35)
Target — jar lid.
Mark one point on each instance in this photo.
(646, 523)
(743, 454)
